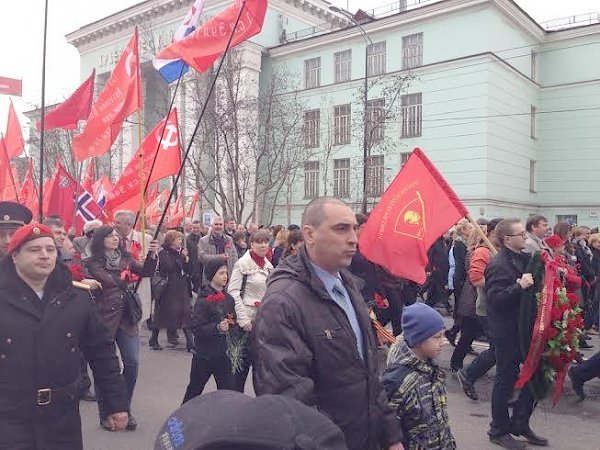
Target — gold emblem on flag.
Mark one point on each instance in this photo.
(411, 219)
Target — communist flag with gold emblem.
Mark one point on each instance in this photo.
(415, 210)
(120, 97)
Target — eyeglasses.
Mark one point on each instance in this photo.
(523, 234)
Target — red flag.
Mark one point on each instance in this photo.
(168, 162)
(77, 107)
(192, 208)
(61, 193)
(8, 190)
(120, 97)
(201, 48)
(88, 181)
(29, 194)
(101, 188)
(176, 213)
(156, 207)
(415, 210)
(14, 137)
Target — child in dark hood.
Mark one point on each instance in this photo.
(215, 328)
(415, 385)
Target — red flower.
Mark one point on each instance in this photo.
(215, 298)
(256, 304)
(76, 272)
(382, 303)
(556, 314)
(136, 250)
(551, 333)
(573, 299)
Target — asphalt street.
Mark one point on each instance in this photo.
(163, 377)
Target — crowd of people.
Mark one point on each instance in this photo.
(296, 305)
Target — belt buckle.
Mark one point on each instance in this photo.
(44, 397)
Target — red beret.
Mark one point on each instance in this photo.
(28, 233)
(554, 241)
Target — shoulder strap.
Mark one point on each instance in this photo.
(243, 288)
(393, 378)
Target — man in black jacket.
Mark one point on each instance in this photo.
(44, 323)
(313, 335)
(505, 280)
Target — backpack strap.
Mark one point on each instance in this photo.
(393, 378)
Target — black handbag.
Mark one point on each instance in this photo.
(133, 306)
(158, 284)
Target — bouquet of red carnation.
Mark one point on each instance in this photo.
(215, 298)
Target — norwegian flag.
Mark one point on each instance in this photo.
(87, 209)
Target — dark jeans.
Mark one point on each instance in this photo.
(129, 347)
(205, 367)
(508, 359)
(438, 294)
(589, 369)
(485, 360)
(470, 329)
(84, 379)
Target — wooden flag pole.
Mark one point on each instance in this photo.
(485, 239)
(43, 113)
(142, 211)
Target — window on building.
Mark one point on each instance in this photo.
(375, 120)
(341, 177)
(341, 124)
(569, 218)
(375, 176)
(412, 115)
(404, 158)
(311, 179)
(533, 65)
(412, 51)
(312, 73)
(343, 66)
(376, 59)
(532, 175)
(311, 128)
(533, 122)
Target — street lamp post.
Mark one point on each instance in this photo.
(365, 102)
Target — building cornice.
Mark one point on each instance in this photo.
(156, 10)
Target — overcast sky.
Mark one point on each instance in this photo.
(21, 26)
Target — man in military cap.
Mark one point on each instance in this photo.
(12, 217)
(45, 322)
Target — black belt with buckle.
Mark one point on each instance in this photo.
(47, 396)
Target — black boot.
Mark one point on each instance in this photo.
(154, 345)
(189, 339)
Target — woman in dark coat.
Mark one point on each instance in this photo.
(173, 310)
(117, 272)
(212, 321)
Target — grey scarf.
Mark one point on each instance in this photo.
(113, 260)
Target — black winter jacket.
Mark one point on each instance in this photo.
(503, 293)
(40, 345)
(306, 349)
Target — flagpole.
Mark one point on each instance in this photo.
(204, 106)
(77, 193)
(12, 175)
(42, 109)
(142, 210)
(162, 132)
(483, 236)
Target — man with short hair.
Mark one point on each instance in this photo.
(537, 228)
(45, 322)
(252, 228)
(12, 217)
(82, 243)
(505, 281)
(313, 334)
(217, 244)
(191, 241)
(230, 227)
